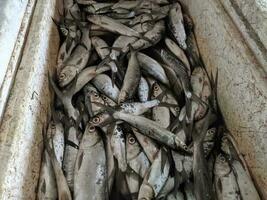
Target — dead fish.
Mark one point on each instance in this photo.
(156, 178)
(92, 97)
(152, 37)
(47, 187)
(62, 186)
(177, 25)
(141, 19)
(101, 48)
(113, 26)
(70, 154)
(149, 146)
(111, 167)
(139, 108)
(118, 146)
(143, 90)
(209, 141)
(131, 79)
(73, 36)
(104, 84)
(192, 50)
(152, 67)
(98, 8)
(225, 181)
(55, 133)
(77, 61)
(244, 181)
(151, 129)
(136, 158)
(202, 181)
(178, 52)
(90, 174)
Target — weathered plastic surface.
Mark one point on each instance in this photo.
(242, 84)
(27, 109)
(15, 17)
(242, 94)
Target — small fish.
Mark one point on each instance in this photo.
(131, 79)
(90, 174)
(104, 84)
(143, 90)
(62, 186)
(152, 67)
(202, 181)
(225, 181)
(177, 25)
(138, 108)
(136, 158)
(113, 26)
(156, 178)
(70, 154)
(149, 146)
(47, 188)
(178, 52)
(152, 129)
(77, 61)
(118, 146)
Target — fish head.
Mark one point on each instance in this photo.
(156, 90)
(222, 166)
(67, 74)
(101, 119)
(132, 147)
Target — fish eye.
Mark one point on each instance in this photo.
(53, 126)
(131, 140)
(177, 108)
(62, 76)
(222, 159)
(96, 120)
(156, 87)
(96, 95)
(105, 98)
(118, 128)
(91, 129)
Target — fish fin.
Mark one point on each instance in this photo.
(88, 105)
(164, 159)
(106, 60)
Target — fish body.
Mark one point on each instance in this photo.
(90, 174)
(131, 79)
(225, 181)
(143, 90)
(177, 26)
(118, 146)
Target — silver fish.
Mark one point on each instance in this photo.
(177, 26)
(225, 181)
(90, 174)
(143, 90)
(104, 84)
(70, 154)
(47, 188)
(149, 146)
(113, 26)
(118, 146)
(156, 178)
(138, 108)
(131, 79)
(152, 67)
(178, 52)
(136, 159)
(62, 186)
(77, 61)
(152, 129)
(152, 37)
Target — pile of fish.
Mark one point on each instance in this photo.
(135, 114)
